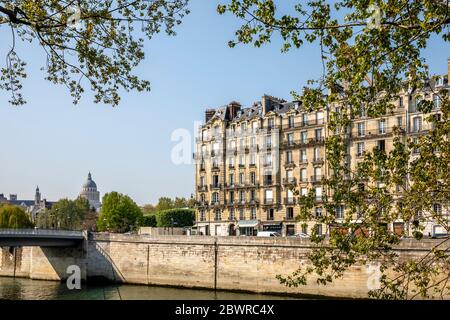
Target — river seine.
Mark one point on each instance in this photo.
(26, 289)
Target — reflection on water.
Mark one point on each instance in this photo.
(26, 289)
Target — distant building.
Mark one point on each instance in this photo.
(90, 193)
(32, 207)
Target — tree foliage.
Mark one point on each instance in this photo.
(13, 217)
(86, 43)
(371, 53)
(65, 214)
(175, 218)
(119, 213)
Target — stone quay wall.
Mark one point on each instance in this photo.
(223, 263)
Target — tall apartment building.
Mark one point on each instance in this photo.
(248, 159)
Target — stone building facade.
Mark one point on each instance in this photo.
(248, 159)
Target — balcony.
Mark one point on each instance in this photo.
(316, 178)
(303, 162)
(231, 166)
(202, 204)
(303, 180)
(216, 186)
(289, 181)
(318, 160)
(218, 218)
(289, 164)
(268, 201)
(290, 200)
(202, 188)
(268, 182)
(215, 167)
(253, 202)
(316, 141)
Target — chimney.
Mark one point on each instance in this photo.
(209, 113)
(266, 104)
(233, 108)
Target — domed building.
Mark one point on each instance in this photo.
(90, 193)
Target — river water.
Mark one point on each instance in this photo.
(26, 289)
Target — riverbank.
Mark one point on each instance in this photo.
(235, 264)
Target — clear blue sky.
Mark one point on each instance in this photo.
(51, 143)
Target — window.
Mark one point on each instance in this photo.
(340, 211)
(399, 122)
(268, 141)
(304, 119)
(233, 145)
(304, 228)
(231, 162)
(436, 101)
(241, 160)
(253, 177)
(241, 196)
(417, 124)
(252, 195)
(255, 126)
(400, 102)
(303, 192)
(202, 215)
(319, 117)
(417, 101)
(361, 129)
(268, 179)
(382, 126)
(290, 122)
(253, 142)
(318, 212)
(317, 154)
(269, 195)
(303, 158)
(362, 112)
(317, 173)
(202, 181)
(304, 136)
(241, 214)
(270, 123)
(290, 213)
(215, 181)
(289, 157)
(215, 197)
(319, 229)
(232, 214)
(290, 139)
(437, 208)
(268, 159)
(218, 215)
(205, 135)
(381, 145)
(231, 179)
(202, 198)
(253, 213)
(359, 149)
(231, 196)
(303, 175)
(290, 175)
(319, 194)
(241, 178)
(290, 197)
(252, 159)
(270, 214)
(318, 134)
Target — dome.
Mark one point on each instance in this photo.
(89, 183)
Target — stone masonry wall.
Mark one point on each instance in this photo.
(225, 263)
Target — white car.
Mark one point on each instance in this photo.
(268, 234)
(301, 235)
